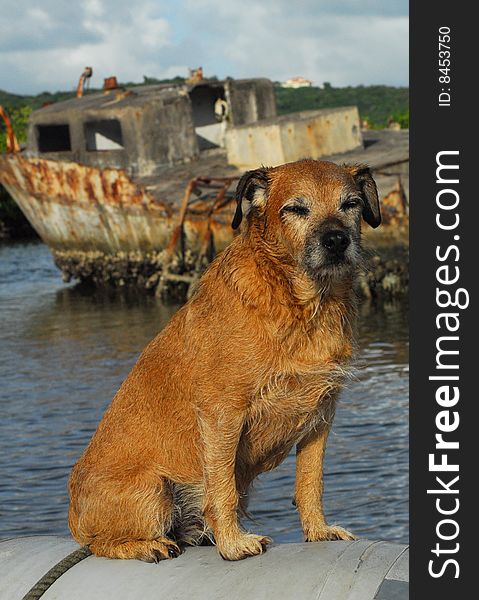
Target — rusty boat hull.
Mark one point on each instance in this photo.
(106, 227)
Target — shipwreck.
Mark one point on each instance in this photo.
(135, 186)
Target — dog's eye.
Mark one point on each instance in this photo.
(348, 204)
(297, 209)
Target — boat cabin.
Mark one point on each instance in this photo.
(144, 129)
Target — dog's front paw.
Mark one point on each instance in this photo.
(247, 544)
(327, 532)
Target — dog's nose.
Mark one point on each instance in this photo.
(335, 241)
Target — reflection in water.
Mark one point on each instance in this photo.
(64, 352)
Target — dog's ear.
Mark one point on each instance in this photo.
(369, 192)
(248, 186)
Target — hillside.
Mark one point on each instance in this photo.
(10, 101)
(375, 103)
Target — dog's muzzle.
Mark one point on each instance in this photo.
(331, 252)
(336, 242)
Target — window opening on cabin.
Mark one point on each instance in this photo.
(53, 138)
(103, 135)
(209, 115)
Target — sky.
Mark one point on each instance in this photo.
(45, 45)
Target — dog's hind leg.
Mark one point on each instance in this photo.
(125, 519)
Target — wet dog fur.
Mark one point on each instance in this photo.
(250, 367)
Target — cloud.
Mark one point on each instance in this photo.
(45, 46)
(346, 49)
(28, 26)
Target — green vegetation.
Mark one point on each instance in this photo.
(19, 119)
(12, 222)
(402, 118)
(376, 103)
(9, 101)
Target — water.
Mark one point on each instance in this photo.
(64, 352)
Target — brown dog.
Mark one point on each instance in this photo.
(250, 366)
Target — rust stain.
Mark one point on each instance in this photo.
(394, 207)
(68, 180)
(115, 190)
(76, 206)
(90, 190)
(71, 177)
(12, 143)
(29, 181)
(104, 185)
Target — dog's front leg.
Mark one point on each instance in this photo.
(309, 489)
(221, 432)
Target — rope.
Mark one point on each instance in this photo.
(56, 572)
